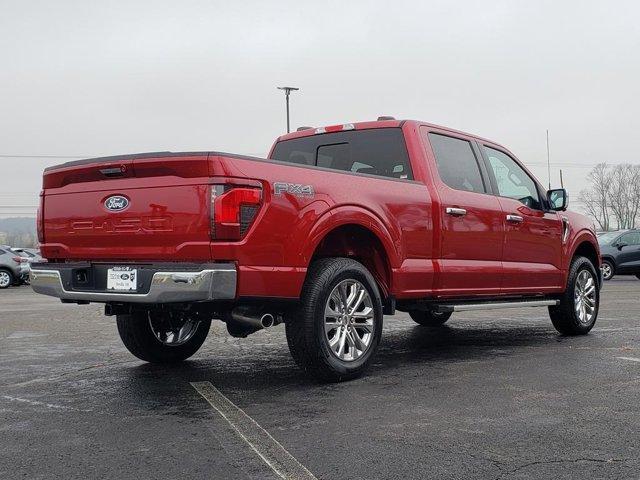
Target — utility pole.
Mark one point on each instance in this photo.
(561, 183)
(287, 91)
(548, 160)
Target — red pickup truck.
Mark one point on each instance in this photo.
(339, 226)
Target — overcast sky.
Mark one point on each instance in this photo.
(82, 78)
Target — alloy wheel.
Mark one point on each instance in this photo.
(607, 271)
(5, 279)
(349, 320)
(585, 297)
(173, 328)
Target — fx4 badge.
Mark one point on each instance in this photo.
(293, 188)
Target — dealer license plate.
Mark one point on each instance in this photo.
(122, 279)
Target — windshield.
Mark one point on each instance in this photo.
(608, 237)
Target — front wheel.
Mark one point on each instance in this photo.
(334, 332)
(162, 336)
(578, 309)
(607, 270)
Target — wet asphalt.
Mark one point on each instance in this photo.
(492, 395)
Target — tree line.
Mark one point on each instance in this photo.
(613, 198)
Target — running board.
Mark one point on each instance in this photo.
(464, 307)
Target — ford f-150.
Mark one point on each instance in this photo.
(339, 226)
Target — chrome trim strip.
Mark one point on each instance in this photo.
(494, 305)
(166, 287)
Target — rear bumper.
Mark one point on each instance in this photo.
(165, 283)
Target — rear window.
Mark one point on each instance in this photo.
(457, 164)
(379, 151)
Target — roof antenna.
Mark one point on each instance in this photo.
(548, 161)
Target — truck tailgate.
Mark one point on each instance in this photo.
(149, 206)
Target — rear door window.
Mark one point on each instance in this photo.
(378, 151)
(457, 163)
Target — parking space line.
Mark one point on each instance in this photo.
(630, 359)
(259, 440)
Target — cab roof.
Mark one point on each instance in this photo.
(309, 131)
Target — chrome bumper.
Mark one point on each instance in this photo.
(217, 283)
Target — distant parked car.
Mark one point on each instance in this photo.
(13, 267)
(620, 253)
(31, 254)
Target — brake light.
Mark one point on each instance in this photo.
(19, 259)
(233, 210)
(335, 128)
(40, 219)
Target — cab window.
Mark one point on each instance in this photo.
(457, 164)
(378, 151)
(512, 181)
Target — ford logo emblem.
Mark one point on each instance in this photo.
(116, 203)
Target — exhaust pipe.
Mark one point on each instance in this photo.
(252, 318)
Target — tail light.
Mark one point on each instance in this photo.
(233, 210)
(40, 219)
(20, 259)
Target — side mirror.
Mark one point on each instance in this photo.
(620, 245)
(558, 199)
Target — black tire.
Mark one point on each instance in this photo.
(305, 324)
(563, 316)
(137, 335)
(608, 270)
(8, 278)
(429, 318)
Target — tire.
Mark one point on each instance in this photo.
(6, 278)
(608, 270)
(429, 318)
(138, 333)
(566, 316)
(311, 334)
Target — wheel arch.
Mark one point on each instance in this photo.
(584, 246)
(358, 234)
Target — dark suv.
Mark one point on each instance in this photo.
(620, 253)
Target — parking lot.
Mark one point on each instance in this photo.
(491, 395)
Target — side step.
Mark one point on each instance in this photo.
(465, 307)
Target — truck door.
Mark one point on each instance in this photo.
(471, 227)
(532, 255)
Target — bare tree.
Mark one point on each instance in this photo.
(614, 193)
(596, 198)
(623, 194)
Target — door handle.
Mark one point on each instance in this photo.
(456, 212)
(514, 218)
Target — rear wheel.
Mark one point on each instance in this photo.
(578, 309)
(429, 318)
(162, 337)
(6, 278)
(335, 331)
(607, 270)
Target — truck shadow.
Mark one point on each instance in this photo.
(266, 373)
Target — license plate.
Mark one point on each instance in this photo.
(122, 279)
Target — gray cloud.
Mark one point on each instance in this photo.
(89, 78)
